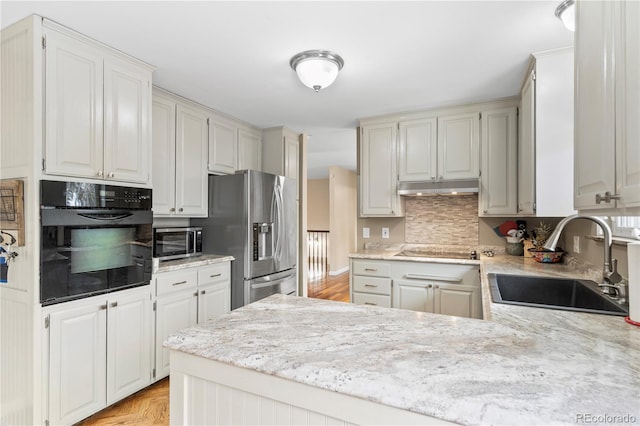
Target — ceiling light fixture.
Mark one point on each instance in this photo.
(566, 12)
(317, 69)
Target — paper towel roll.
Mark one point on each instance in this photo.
(633, 254)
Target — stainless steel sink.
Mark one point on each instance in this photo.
(553, 293)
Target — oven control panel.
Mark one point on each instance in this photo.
(60, 194)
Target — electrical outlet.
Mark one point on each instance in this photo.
(576, 244)
(365, 232)
(385, 232)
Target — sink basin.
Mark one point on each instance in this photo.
(553, 293)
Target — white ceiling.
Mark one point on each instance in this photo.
(399, 56)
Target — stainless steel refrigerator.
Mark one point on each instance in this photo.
(253, 217)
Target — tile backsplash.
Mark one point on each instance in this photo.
(450, 220)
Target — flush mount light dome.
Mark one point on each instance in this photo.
(317, 69)
(566, 12)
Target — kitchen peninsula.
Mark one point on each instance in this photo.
(284, 357)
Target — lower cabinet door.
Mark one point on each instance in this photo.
(129, 345)
(413, 296)
(77, 359)
(173, 313)
(458, 300)
(213, 300)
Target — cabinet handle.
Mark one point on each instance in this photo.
(370, 269)
(436, 286)
(369, 303)
(370, 285)
(195, 294)
(99, 173)
(180, 209)
(180, 283)
(114, 304)
(102, 307)
(203, 291)
(112, 174)
(606, 198)
(430, 285)
(215, 275)
(172, 209)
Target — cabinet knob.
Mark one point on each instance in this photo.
(429, 286)
(203, 291)
(195, 294)
(172, 209)
(114, 304)
(100, 173)
(180, 209)
(441, 177)
(485, 211)
(112, 174)
(436, 286)
(433, 178)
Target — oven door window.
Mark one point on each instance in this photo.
(83, 261)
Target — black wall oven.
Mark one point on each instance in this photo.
(94, 239)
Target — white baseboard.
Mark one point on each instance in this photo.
(339, 271)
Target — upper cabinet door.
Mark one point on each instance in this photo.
(291, 156)
(459, 146)
(164, 155)
(378, 192)
(73, 112)
(223, 146)
(417, 150)
(526, 148)
(191, 161)
(628, 105)
(127, 100)
(249, 150)
(499, 144)
(594, 147)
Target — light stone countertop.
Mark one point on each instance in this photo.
(524, 366)
(190, 262)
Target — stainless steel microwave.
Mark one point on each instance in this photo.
(177, 243)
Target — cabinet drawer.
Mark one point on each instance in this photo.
(219, 272)
(372, 299)
(371, 269)
(372, 285)
(176, 281)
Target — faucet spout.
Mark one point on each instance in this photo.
(609, 270)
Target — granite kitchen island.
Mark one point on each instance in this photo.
(292, 360)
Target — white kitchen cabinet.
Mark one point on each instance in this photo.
(185, 298)
(180, 144)
(429, 295)
(446, 147)
(498, 183)
(128, 344)
(442, 288)
(77, 359)
(459, 146)
(280, 152)
(607, 153)
(97, 112)
(370, 282)
(417, 150)
(164, 154)
(378, 171)
(173, 312)
(214, 291)
(545, 143)
(249, 149)
(223, 145)
(99, 351)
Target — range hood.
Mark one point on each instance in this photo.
(444, 187)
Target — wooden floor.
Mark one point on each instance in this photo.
(329, 287)
(150, 406)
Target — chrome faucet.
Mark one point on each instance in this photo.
(612, 280)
